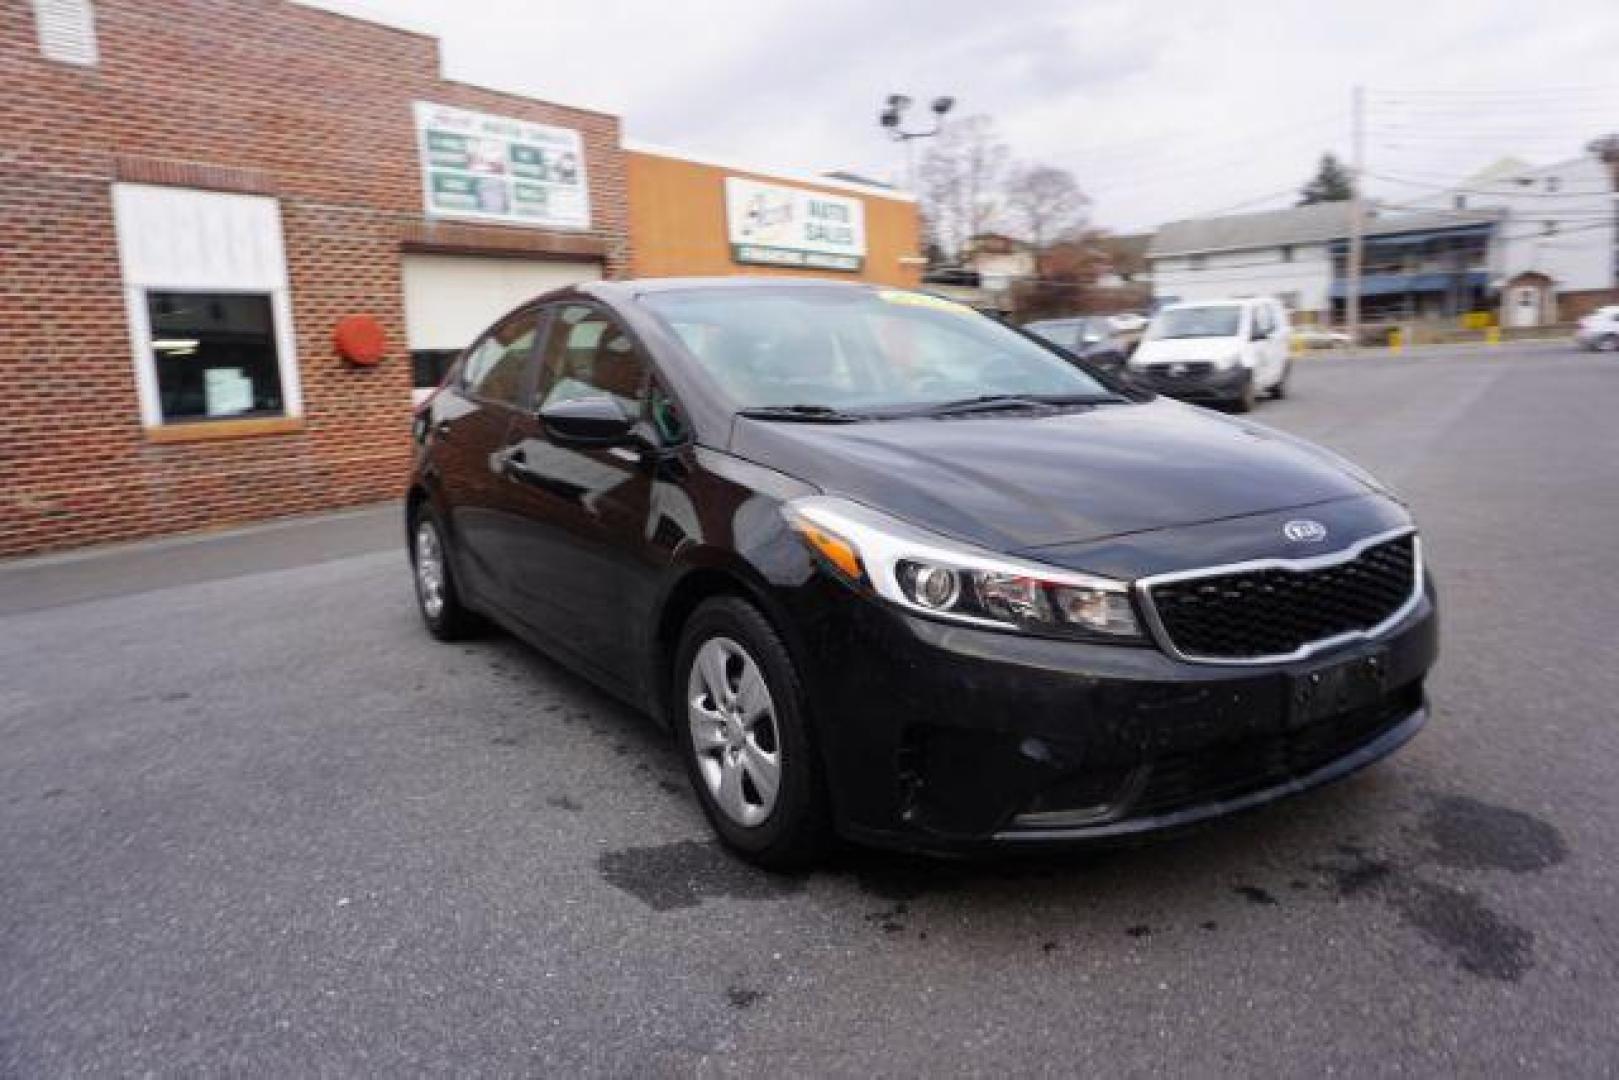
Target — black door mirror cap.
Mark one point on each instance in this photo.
(598, 420)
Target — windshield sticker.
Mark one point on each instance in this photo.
(915, 299)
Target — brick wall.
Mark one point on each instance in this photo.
(260, 96)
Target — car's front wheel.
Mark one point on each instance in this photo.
(1247, 397)
(1279, 391)
(738, 707)
(437, 596)
(1608, 343)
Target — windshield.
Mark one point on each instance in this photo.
(859, 349)
(1221, 320)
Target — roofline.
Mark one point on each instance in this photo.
(637, 146)
(1486, 216)
(369, 13)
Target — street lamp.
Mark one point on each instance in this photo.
(892, 119)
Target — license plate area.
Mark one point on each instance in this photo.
(1335, 689)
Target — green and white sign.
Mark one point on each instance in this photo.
(495, 168)
(771, 225)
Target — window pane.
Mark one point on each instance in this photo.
(429, 366)
(496, 367)
(586, 355)
(215, 355)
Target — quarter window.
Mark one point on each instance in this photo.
(587, 355)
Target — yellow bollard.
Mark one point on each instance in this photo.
(1492, 336)
(1396, 339)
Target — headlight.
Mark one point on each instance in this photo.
(932, 575)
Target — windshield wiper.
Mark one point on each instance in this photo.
(803, 414)
(999, 402)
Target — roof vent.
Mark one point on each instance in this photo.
(67, 30)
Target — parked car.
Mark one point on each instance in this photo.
(1319, 337)
(1599, 330)
(1090, 337)
(860, 549)
(1224, 352)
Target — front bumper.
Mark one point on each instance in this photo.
(1214, 384)
(948, 738)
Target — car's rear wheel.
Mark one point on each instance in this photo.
(738, 708)
(1608, 343)
(437, 596)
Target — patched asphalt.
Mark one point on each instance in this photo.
(256, 821)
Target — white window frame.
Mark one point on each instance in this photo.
(248, 259)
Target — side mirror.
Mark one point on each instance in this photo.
(598, 420)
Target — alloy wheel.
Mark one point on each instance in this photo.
(734, 733)
(429, 570)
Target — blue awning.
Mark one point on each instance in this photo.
(1479, 231)
(1396, 284)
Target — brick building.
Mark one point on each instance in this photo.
(195, 195)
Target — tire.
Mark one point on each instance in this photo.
(1279, 391)
(1608, 343)
(1247, 397)
(437, 596)
(730, 756)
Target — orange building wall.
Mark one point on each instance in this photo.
(677, 225)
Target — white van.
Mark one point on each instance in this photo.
(1226, 351)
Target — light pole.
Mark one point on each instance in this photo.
(892, 118)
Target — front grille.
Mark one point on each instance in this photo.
(1180, 373)
(1275, 612)
(1230, 770)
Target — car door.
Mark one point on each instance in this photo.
(577, 514)
(469, 424)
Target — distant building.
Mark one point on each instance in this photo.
(1536, 244)
(1553, 254)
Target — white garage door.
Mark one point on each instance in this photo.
(451, 299)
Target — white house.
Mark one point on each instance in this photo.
(1281, 253)
(1554, 249)
(1537, 240)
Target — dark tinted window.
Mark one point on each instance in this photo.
(586, 354)
(496, 366)
(215, 355)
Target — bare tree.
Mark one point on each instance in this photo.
(1046, 204)
(959, 182)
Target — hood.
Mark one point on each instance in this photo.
(1013, 482)
(1167, 350)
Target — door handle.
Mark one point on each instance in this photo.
(511, 461)
(441, 430)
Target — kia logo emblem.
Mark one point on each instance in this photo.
(1304, 531)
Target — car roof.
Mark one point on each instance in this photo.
(646, 286)
(1234, 302)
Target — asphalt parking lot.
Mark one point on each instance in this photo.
(256, 821)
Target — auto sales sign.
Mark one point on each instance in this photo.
(771, 225)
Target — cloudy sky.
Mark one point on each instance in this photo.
(1162, 110)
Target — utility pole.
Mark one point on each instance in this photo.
(1357, 212)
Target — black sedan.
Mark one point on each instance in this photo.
(893, 570)
(1092, 338)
